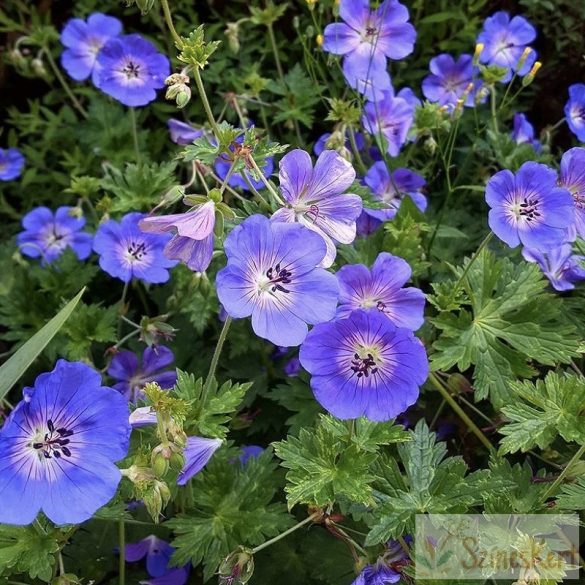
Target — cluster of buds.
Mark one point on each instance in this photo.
(21, 60)
(232, 32)
(178, 89)
(154, 492)
(337, 142)
(153, 329)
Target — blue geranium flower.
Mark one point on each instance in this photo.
(48, 234)
(249, 452)
(315, 197)
(390, 118)
(322, 142)
(381, 289)
(449, 80)
(369, 79)
(529, 207)
(562, 268)
(84, 41)
(575, 110)
(272, 274)
(131, 70)
(192, 240)
(364, 366)
(59, 446)
(523, 132)
(392, 188)
(572, 178)
(132, 376)
(197, 453)
(504, 41)
(158, 554)
(11, 163)
(366, 37)
(388, 567)
(126, 252)
(182, 132)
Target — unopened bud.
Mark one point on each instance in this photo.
(523, 57)
(177, 461)
(311, 4)
(237, 568)
(66, 579)
(215, 195)
(137, 474)
(183, 97)
(17, 58)
(477, 54)
(529, 77)
(319, 40)
(160, 460)
(232, 31)
(145, 5)
(38, 67)
(430, 145)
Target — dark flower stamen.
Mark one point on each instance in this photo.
(138, 251)
(132, 70)
(313, 211)
(361, 366)
(54, 443)
(529, 209)
(277, 276)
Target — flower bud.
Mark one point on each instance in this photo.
(523, 57)
(145, 5)
(529, 77)
(160, 460)
(232, 31)
(477, 54)
(311, 4)
(177, 461)
(215, 195)
(237, 568)
(38, 67)
(319, 40)
(137, 474)
(183, 97)
(66, 579)
(17, 58)
(430, 145)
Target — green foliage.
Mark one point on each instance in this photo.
(300, 97)
(510, 322)
(296, 396)
(333, 461)
(572, 496)
(194, 50)
(139, 186)
(27, 550)
(233, 506)
(543, 410)
(89, 324)
(211, 411)
(431, 483)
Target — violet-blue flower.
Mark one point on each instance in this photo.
(523, 132)
(47, 234)
(175, 576)
(182, 132)
(316, 197)
(529, 207)
(83, 41)
(192, 241)
(272, 274)
(249, 452)
(292, 367)
(575, 110)
(364, 366)
(388, 567)
(390, 118)
(562, 268)
(126, 252)
(132, 376)
(322, 142)
(11, 163)
(131, 70)
(59, 446)
(197, 453)
(392, 188)
(449, 80)
(504, 41)
(158, 553)
(367, 36)
(369, 79)
(572, 178)
(381, 288)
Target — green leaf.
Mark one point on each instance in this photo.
(510, 323)
(295, 395)
(209, 414)
(13, 369)
(233, 507)
(331, 462)
(26, 550)
(542, 410)
(572, 496)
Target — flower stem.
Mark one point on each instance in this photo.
(122, 558)
(215, 358)
(266, 544)
(266, 182)
(557, 482)
(462, 414)
(356, 151)
(169, 20)
(76, 103)
(493, 108)
(206, 106)
(479, 250)
(134, 127)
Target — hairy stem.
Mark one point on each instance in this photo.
(122, 557)
(557, 482)
(266, 544)
(206, 106)
(215, 358)
(169, 20)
